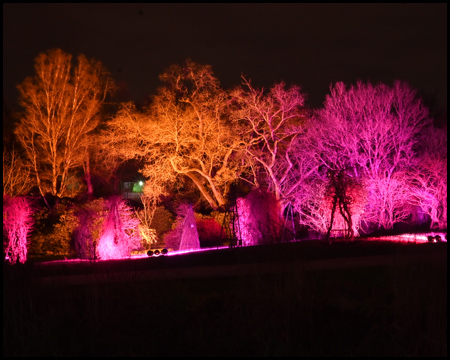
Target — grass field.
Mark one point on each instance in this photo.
(378, 308)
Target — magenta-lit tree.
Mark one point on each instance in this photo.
(372, 133)
(17, 224)
(429, 177)
(120, 233)
(269, 123)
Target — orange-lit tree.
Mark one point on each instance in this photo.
(184, 134)
(61, 103)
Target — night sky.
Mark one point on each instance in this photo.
(310, 45)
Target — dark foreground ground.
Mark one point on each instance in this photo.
(299, 299)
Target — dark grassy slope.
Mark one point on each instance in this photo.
(400, 309)
(303, 251)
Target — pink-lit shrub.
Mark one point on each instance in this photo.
(91, 217)
(258, 219)
(120, 231)
(17, 223)
(189, 237)
(345, 199)
(184, 235)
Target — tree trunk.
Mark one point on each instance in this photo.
(87, 177)
(333, 210)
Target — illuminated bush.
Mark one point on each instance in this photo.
(91, 217)
(120, 231)
(54, 229)
(259, 218)
(162, 221)
(17, 223)
(189, 236)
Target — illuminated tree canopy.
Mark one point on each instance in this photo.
(372, 132)
(185, 132)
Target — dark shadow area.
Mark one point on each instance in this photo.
(398, 310)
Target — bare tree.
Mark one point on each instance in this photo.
(184, 133)
(371, 132)
(429, 177)
(61, 105)
(269, 124)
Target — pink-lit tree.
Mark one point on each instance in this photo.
(429, 177)
(372, 132)
(120, 232)
(269, 123)
(17, 224)
(326, 203)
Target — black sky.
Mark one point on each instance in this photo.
(310, 45)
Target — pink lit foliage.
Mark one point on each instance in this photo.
(189, 237)
(17, 223)
(91, 218)
(120, 232)
(184, 235)
(429, 177)
(258, 220)
(372, 131)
